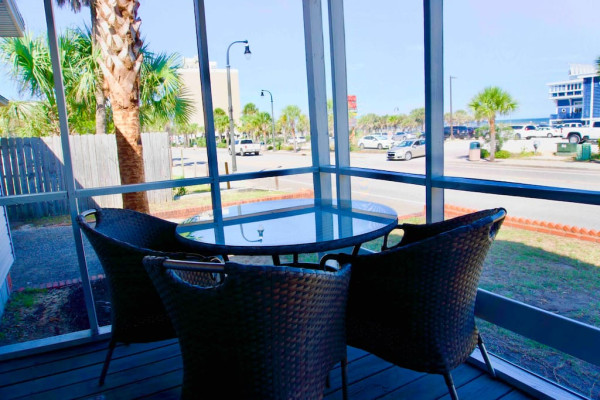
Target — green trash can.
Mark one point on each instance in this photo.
(584, 152)
(474, 151)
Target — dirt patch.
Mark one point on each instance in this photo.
(40, 313)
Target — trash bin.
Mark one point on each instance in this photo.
(474, 151)
(584, 152)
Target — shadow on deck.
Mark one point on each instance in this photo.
(154, 371)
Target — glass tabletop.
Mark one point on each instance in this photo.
(288, 227)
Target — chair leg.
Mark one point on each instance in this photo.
(111, 347)
(451, 387)
(328, 380)
(344, 368)
(485, 356)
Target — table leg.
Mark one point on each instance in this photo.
(356, 249)
(276, 260)
(295, 258)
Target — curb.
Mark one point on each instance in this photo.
(534, 225)
(60, 284)
(190, 212)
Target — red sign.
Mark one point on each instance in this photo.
(352, 103)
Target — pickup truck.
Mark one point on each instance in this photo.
(578, 134)
(246, 146)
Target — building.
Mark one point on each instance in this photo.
(190, 75)
(576, 99)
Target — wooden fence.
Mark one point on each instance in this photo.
(35, 165)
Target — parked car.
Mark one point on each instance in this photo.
(578, 134)
(543, 131)
(246, 146)
(299, 140)
(400, 136)
(407, 149)
(459, 132)
(522, 131)
(374, 142)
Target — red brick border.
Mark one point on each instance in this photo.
(533, 225)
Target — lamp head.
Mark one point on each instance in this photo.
(247, 52)
(262, 93)
(261, 231)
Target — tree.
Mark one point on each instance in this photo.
(162, 97)
(100, 103)
(120, 44)
(221, 121)
(489, 102)
(418, 117)
(289, 119)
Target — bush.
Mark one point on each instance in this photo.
(222, 145)
(180, 191)
(502, 154)
(485, 153)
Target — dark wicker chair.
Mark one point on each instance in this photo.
(121, 239)
(413, 304)
(265, 332)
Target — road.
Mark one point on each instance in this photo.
(407, 199)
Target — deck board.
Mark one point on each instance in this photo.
(154, 371)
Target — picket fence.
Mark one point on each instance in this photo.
(35, 165)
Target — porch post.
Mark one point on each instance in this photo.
(209, 123)
(339, 80)
(434, 107)
(317, 97)
(69, 178)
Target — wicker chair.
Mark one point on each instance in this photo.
(121, 239)
(265, 332)
(413, 304)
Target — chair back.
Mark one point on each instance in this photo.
(121, 238)
(413, 304)
(263, 332)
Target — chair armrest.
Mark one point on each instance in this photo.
(386, 237)
(340, 258)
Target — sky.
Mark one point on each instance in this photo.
(519, 45)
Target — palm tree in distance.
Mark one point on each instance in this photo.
(489, 102)
(289, 119)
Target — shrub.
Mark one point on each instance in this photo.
(502, 154)
(222, 145)
(180, 191)
(485, 153)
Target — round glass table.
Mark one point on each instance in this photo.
(289, 226)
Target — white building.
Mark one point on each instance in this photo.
(190, 75)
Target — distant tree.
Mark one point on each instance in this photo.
(368, 122)
(250, 109)
(288, 121)
(489, 102)
(462, 117)
(418, 117)
(221, 121)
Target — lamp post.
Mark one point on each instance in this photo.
(247, 53)
(262, 93)
(451, 116)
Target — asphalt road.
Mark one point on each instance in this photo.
(406, 199)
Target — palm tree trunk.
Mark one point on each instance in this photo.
(100, 97)
(130, 153)
(120, 44)
(492, 139)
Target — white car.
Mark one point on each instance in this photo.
(407, 149)
(374, 142)
(542, 131)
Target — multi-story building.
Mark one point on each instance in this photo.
(190, 74)
(578, 98)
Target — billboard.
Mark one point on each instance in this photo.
(352, 103)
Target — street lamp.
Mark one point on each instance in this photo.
(262, 93)
(247, 54)
(451, 116)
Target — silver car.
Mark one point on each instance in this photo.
(407, 149)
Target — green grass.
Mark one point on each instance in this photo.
(25, 299)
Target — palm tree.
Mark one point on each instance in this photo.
(221, 121)
(120, 44)
(100, 103)
(289, 119)
(489, 102)
(418, 116)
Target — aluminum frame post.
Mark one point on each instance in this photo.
(317, 94)
(434, 107)
(61, 105)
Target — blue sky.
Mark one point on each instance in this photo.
(519, 45)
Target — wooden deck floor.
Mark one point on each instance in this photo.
(154, 371)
